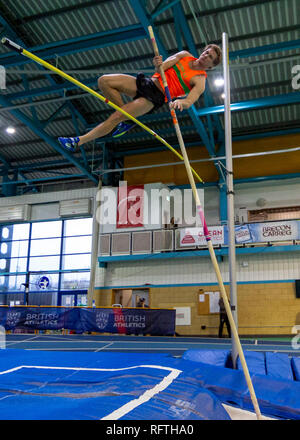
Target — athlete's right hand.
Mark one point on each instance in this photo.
(157, 61)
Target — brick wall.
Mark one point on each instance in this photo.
(263, 309)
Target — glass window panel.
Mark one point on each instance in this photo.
(42, 298)
(12, 283)
(4, 248)
(76, 245)
(50, 246)
(17, 264)
(75, 281)
(43, 263)
(16, 232)
(82, 300)
(81, 226)
(15, 282)
(5, 233)
(5, 264)
(82, 261)
(68, 300)
(43, 282)
(19, 248)
(46, 229)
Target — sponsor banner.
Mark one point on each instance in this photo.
(266, 232)
(130, 212)
(195, 236)
(275, 231)
(242, 234)
(124, 321)
(246, 233)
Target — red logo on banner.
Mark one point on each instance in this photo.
(188, 239)
(130, 212)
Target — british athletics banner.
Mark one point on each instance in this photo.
(123, 321)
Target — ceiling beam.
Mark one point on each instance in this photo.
(132, 33)
(9, 28)
(266, 49)
(269, 101)
(78, 44)
(50, 141)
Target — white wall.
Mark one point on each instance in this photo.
(45, 206)
(199, 270)
(261, 267)
(277, 194)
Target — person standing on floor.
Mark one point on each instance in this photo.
(223, 319)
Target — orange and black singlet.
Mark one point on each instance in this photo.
(179, 76)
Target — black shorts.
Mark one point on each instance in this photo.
(147, 89)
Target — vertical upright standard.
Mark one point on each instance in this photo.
(230, 192)
(95, 245)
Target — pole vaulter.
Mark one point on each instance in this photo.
(190, 171)
(38, 60)
(200, 210)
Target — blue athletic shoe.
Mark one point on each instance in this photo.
(122, 128)
(69, 144)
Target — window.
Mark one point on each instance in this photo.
(77, 280)
(47, 251)
(43, 263)
(43, 282)
(15, 232)
(19, 248)
(82, 226)
(17, 265)
(46, 229)
(77, 245)
(71, 262)
(12, 283)
(47, 246)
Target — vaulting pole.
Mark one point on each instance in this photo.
(207, 236)
(38, 60)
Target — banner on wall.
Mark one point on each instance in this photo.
(275, 231)
(195, 236)
(130, 206)
(246, 233)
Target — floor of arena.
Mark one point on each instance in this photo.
(174, 346)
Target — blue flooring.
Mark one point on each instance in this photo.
(174, 346)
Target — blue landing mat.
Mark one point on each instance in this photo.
(92, 386)
(43, 385)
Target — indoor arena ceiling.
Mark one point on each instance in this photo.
(89, 38)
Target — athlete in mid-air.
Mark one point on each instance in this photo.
(185, 76)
